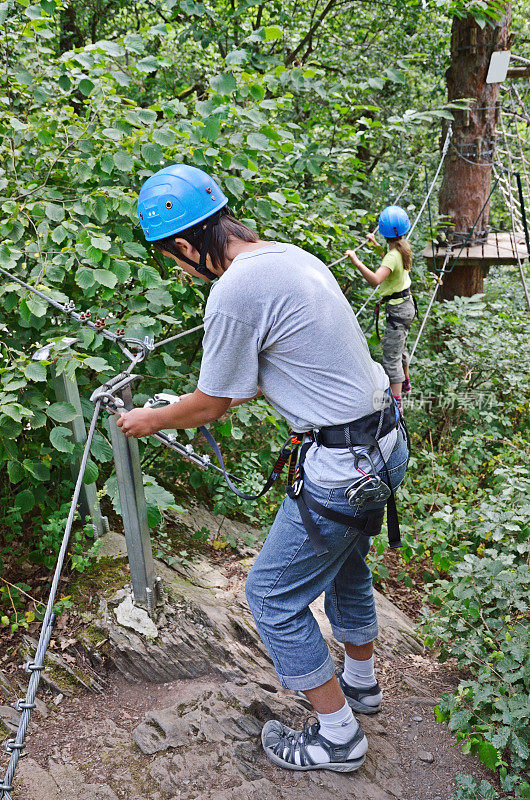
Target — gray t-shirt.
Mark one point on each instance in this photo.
(278, 320)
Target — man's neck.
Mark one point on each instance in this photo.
(238, 246)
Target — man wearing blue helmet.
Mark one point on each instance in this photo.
(277, 323)
(393, 282)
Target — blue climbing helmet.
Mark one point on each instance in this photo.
(393, 222)
(177, 198)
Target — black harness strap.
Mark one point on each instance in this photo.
(389, 319)
(366, 431)
(288, 451)
(368, 524)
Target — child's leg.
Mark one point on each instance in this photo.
(395, 356)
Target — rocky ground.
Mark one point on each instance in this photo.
(177, 715)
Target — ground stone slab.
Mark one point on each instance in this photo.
(10, 718)
(218, 732)
(60, 782)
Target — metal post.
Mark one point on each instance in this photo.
(134, 510)
(523, 210)
(66, 390)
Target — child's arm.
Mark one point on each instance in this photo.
(373, 278)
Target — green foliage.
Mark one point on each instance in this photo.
(311, 123)
(82, 549)
(467, 501)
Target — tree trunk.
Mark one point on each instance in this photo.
(69, 36)
(467, 174)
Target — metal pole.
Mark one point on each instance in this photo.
(66, 390)
(523, 211)
(134, 510)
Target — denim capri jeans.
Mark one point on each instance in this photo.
(288, 575)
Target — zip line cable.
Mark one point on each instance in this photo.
(428, 311)
(516, 248)
(142, 347)
(178, 336)
(445, 148)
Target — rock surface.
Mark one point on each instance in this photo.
(205, 626)
(130, 616)
(182, 714)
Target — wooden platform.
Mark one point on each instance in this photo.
(500, 248)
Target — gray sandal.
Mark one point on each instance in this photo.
(282, 744)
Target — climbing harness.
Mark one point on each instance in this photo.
(364, 432)
(389, 318)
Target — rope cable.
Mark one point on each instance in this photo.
(178, 336)
(510, 205)
(428, 311)
(445, 271)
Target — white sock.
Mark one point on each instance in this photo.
(361, 675)
(338, 727)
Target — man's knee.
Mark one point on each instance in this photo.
(254, 598)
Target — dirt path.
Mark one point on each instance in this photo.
(91, 747)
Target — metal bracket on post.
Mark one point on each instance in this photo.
(145, 585)
(67, 391)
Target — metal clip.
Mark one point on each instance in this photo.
(11, 745)
(108, 399)
(30, 666)
(162, 398)
(21, 705)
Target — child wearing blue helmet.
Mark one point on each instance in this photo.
(276, 323)
(392, 280)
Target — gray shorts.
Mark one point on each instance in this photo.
(398, 321)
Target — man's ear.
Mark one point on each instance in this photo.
(187, 249)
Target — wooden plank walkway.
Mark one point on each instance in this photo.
(500, 248)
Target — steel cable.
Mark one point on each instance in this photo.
(35, 667)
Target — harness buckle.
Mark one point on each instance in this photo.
(295, 488)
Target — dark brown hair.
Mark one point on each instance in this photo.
(402, 245)
(225, 230)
